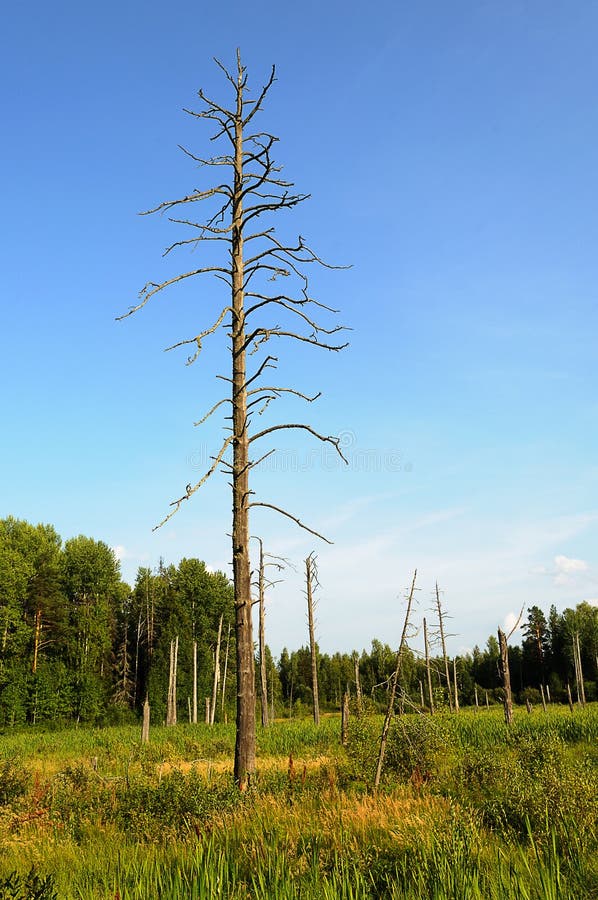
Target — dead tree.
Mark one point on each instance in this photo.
(311, 583)
(171, 701)
(265, 560)
(216, 673)
(247, 188)
(358, 692)
(455, 686)
(428, 672)
(194, 706)
(262, 638)
(579, 685)
(393, 690)
(345, 719)
(505, 674)
(145, 727)
(224, 718)
(441, 616)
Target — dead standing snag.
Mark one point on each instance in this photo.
(249, 257)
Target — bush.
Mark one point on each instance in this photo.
(13, 782)
(27, 887)
(415, 745)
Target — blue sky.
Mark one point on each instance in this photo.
(450, 153)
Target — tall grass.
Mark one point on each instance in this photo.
(493, 813)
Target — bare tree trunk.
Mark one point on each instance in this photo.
(272, 715)
(345, 719)
(216, 674)
(428, 673)
(569, 697)
(506, 676)
(136, 675)
(171, 711)
(37, 634)
(487, 704)
(446, 665)
(548, 694)
(310, 578)
(145, 728)
(262, 640)
(456, 689)
(194, 707)
(394, 679)
(225, 671)
(581, 694)
(207, 710)
(421, 695)
(475, 694)
(257, 190)
(245, 738)
(358, 692)
(543, 697)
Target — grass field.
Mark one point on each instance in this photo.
(466, 809)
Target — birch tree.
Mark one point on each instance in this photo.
(257, 316)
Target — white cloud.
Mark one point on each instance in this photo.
(566, 564)
(119, 551)
(509, 622)
(567, 568)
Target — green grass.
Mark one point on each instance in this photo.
(467, 809)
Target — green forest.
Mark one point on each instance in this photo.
(79, 645)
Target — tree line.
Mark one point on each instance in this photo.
(79, 644)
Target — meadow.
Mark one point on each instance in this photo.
(466, 809)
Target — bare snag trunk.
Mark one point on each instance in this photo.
(393, 690)
(171, 711)
(262, 639)
(358, 693)
(225, 673)
(505, 676)
(311, 577)
(216, 674)
(247, 189)
(443, 642)
(428, 672)
(455, 687)
(194, 703)
(145, 727)
(345, 719)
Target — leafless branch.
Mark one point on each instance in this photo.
(199, 337)
(191, 489)
(326, 439)
(283, 512)
(145, 293)
(213, 410)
